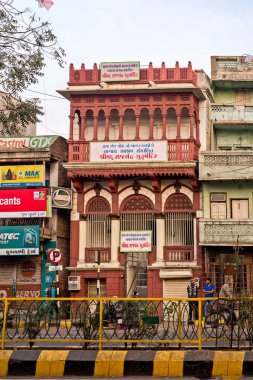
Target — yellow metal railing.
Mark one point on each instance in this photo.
(146, 322)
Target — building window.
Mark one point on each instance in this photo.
(242, 96)
(240, 208)
(218, 205)
(92, 288)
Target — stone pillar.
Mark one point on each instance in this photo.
(164, 137)
(71, 125)
(82, 239)
(191, 125)
(151, 127)
(83, 126)
(160, 237)
(115, 229)
(95, 135)
(137, 120)
(107, 127)
(178, 125)
(121, 127)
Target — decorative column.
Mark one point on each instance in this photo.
(83, 127)
(95, 135)
(197, 130)
(82, 238)
(151, 127)
(191, 125)
(160, 237)
(164, 137)
(115, 230)
(121, 127)
(71, 126)
(178, 125)
(137, 121)
(107, 127)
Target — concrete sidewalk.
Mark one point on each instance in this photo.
(53, 363)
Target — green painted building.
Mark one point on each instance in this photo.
(226, 173)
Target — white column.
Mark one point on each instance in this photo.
(160, 238)
(82, 241)
(195, 247)
(115, 229)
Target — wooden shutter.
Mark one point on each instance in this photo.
(240, 208)
(218, 210)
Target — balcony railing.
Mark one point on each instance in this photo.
(162, 74)
(226, 231)
(178, 150)
(178, 254)
(105, 255)
(226, 165)
(225, 113)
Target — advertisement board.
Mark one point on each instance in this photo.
(119, 71)
(135, 241)
(19, 240)
(61, 197)
(32, 142)
(25, 203)
(22, 176)
(129, 151)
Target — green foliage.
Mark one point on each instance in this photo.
(25, 44)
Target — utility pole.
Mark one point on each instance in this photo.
(97, 260)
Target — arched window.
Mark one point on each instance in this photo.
(114, 125)
(144, 124)
(185, 123)
(76, 126)
(129, 125)
(101, 125)
(179, 218)
(158, 124)
(171, 123)
(98, 224)
(89, 130)
(137, 214)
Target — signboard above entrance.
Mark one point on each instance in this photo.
(119, 71)
(135, 241)
(33, 142)
(129, 151)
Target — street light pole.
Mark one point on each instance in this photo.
(97, 260)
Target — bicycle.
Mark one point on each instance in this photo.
(216, 322)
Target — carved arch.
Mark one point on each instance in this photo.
(178, 202)
(98, 205)
(137, 203)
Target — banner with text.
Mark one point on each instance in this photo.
(19, 240)
(119, 71)
(135, 241)
(129, 151)
(30, 142)
(23, 203)
(22, 176)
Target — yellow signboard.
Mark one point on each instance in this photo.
(22, 175)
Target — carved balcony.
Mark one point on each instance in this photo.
(225, 232)
(232, 113)
(231, 68)
(178, 254)
(105, 255)
(178, 150)
(226, 165)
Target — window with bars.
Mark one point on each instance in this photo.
(98, 231)
(179, 229)
(139, 222)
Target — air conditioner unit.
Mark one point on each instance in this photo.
(74, 283)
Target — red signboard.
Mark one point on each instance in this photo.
(26, 203)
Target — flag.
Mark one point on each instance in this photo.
(46, 4)
(248, 58)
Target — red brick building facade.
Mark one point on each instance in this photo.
(133, 151)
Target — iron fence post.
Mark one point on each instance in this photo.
(4, 322)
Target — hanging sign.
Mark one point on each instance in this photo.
(135, 241)
(19, 241)
(22, 176)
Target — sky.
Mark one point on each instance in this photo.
(136, 30)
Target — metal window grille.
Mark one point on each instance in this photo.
(98, 231)
(179, 229)
(139, 222)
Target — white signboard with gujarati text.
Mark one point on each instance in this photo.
(129, 151)
(135, 241)
(119, 71)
